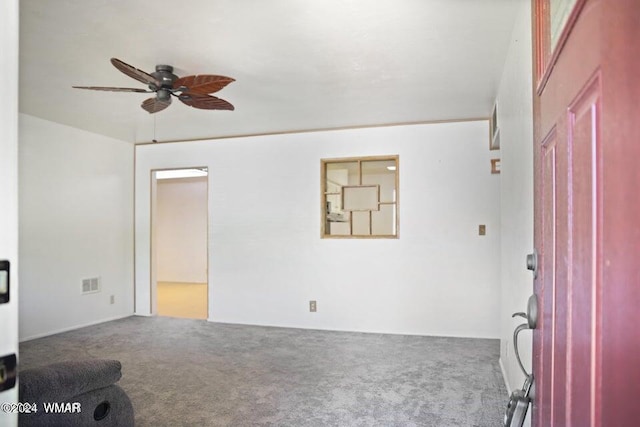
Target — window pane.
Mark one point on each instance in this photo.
(361, 224)
(364, 198)
(383, 222)
(559, 13)
(382, 173)
(334, 204)
(342, 173)
(338, 228)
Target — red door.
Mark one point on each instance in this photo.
(587, 216)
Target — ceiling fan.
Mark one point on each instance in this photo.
(193, 91)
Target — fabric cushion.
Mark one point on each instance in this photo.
(62, 381)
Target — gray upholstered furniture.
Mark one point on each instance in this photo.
(91, 383)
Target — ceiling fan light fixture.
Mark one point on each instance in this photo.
(163, 94)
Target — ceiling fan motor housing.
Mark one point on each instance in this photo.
(164, 74)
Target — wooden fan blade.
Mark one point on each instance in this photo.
(205, 102)
(153, 105)
(135, 73)
(203, 84)
(112, 89)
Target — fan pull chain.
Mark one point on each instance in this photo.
(154, 130)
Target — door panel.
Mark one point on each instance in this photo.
(548, 294)
(587, 217)
(621, 215)
(584, 283)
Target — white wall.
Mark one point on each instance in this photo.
(76, 215)
(515, 120)
(9, 185)
(181, 230)
(266, 257)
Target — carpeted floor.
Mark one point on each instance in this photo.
(181, 372)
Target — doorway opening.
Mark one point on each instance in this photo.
(179, 243)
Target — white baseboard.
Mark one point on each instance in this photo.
(142, 314)
(71, 328)
(505, 377)
(358, 331)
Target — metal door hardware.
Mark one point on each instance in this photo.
(532, 263)
(532, 322)
(519, 329)
(520, 399)
(532, 312)
(4, 281)
(8, 365)
(518, 404)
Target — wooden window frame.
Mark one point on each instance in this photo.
(544, 57)
(324, 193)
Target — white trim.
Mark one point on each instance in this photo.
(355, 331)
(504, 376)
(71, 328)
(144, 314)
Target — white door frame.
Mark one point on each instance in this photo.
(153, 280)
(9, 18)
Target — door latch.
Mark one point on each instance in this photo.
(532, 263)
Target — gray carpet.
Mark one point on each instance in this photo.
(181, 372)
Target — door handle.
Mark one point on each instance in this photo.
(531, 315)
(519, 329)
(520, 400)
(532, 322)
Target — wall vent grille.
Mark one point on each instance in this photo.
(91, 285)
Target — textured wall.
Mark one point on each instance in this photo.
(181, 230)
(266, 257)
(516, 192)
(76, 214)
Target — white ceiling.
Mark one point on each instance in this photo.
(298, 65)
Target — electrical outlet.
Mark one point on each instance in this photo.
(112, 300)
(312, 306)
(482, 229)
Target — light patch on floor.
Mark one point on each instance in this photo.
(185, 300)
